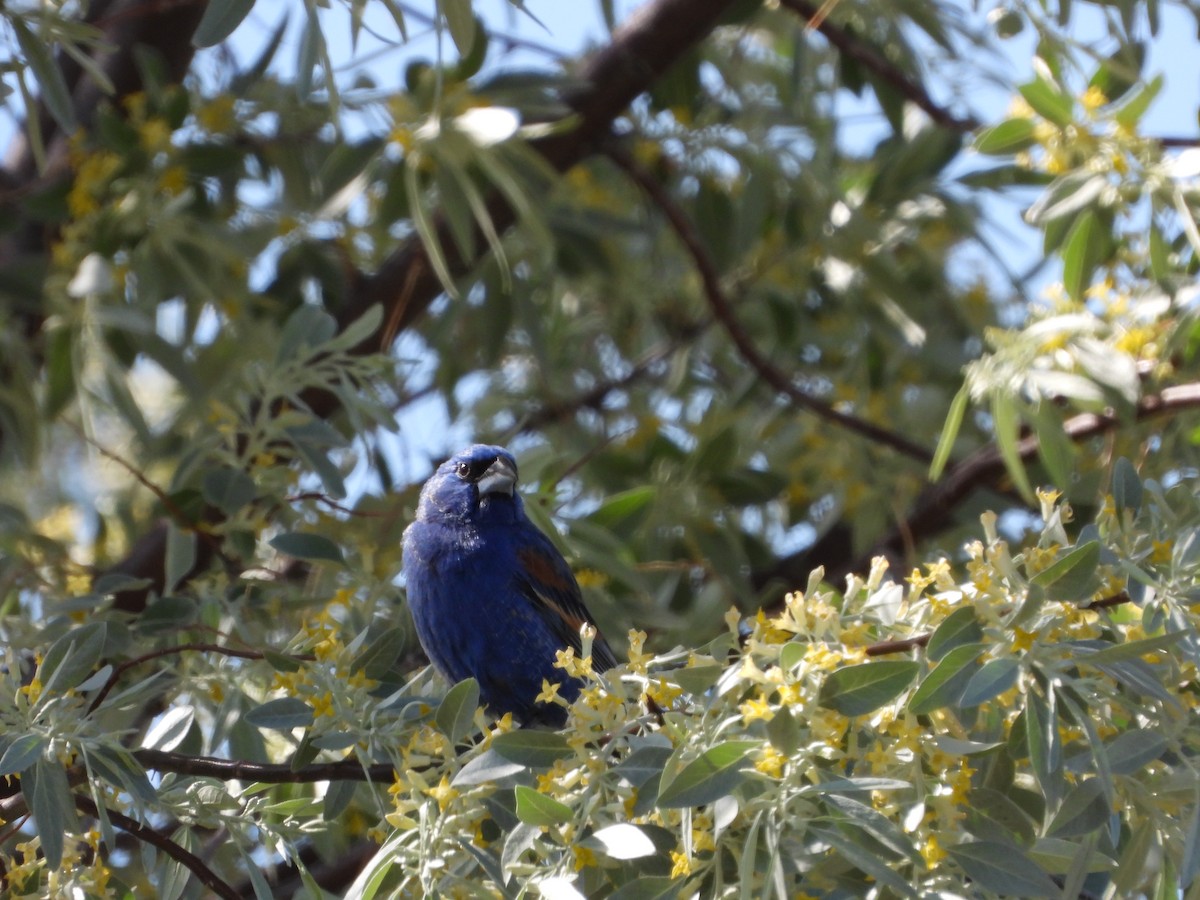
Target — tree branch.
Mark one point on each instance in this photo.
(405, 284)
(270, 773)
(189, 860)
(983, 468)
(869, 58)
(723, 312)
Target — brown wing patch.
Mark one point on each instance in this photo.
(542, 573)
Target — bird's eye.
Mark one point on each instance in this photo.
(464, 470)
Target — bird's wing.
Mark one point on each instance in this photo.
(548, 582)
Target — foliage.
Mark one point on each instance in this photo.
(733, 334)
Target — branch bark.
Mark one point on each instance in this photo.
(982, 469)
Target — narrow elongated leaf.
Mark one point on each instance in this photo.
(220, 19)
(456, 714)
(22, 753)
(48, 792)
(993, 678)
(1084, 810)
(303, 545)
(950, 427)
(281, 714)
(533, 749)
(1007, 425)
(710, 776)
(54, 90)
(858, 690)
(534, 808)
(1003, 869)
(959, 628)
(489, 766)
(181, 555)
(1126, 486)
(1010, 136)
(1048, 100)
(944, 685)
(1074, 576)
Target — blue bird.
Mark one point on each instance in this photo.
(491, 596)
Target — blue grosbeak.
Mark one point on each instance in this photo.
(490, 595)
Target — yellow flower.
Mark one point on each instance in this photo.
(681, 866)
(932, 852)
(757, 708)
(443, 793)
(217, 115)
(1093, 98)
(322, 704)
(1162, 551)
(155, 135)
(549, 692)
(585, 858)
(770, 762)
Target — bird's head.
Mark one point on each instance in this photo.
(476, 484)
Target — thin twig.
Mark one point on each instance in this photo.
(124, 667)
(269, 773)
(869, 58)
(903, 645)
(189, 860)
(723, 311)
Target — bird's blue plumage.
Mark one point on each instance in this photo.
(491, 596)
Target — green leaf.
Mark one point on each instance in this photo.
(959, 628)
(54, 91)
(22, 753)
(180, 556)
(1132, 750)
(72, 657)
(1058, 856)
(281, 714)
(1003, 869)
(461, 22)
(858, 690)
(1048, 101)
(1081, 254)
(1044, 745)
(377, 658)
(1134, 108)
(710, 776)
(1007, 425)
(228, 489)
(993, 679)
(455, 715)
(620, 508)
(944, 685)
(1135, 650)
(953, 422)
(489, 766)
(1084, 810)
(48, 793)
(534, 808)
(304, 545)
(1063, 199)
(1074, 576)
(220, 19)
(532, 749)
(1126, 486)
(1010, 136)
(784, 732)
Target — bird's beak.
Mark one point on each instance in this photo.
(500, 478)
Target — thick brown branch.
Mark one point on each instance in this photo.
(237, 770)
(405, 284)
(722, 310)
(189, 860)
(983, 468)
